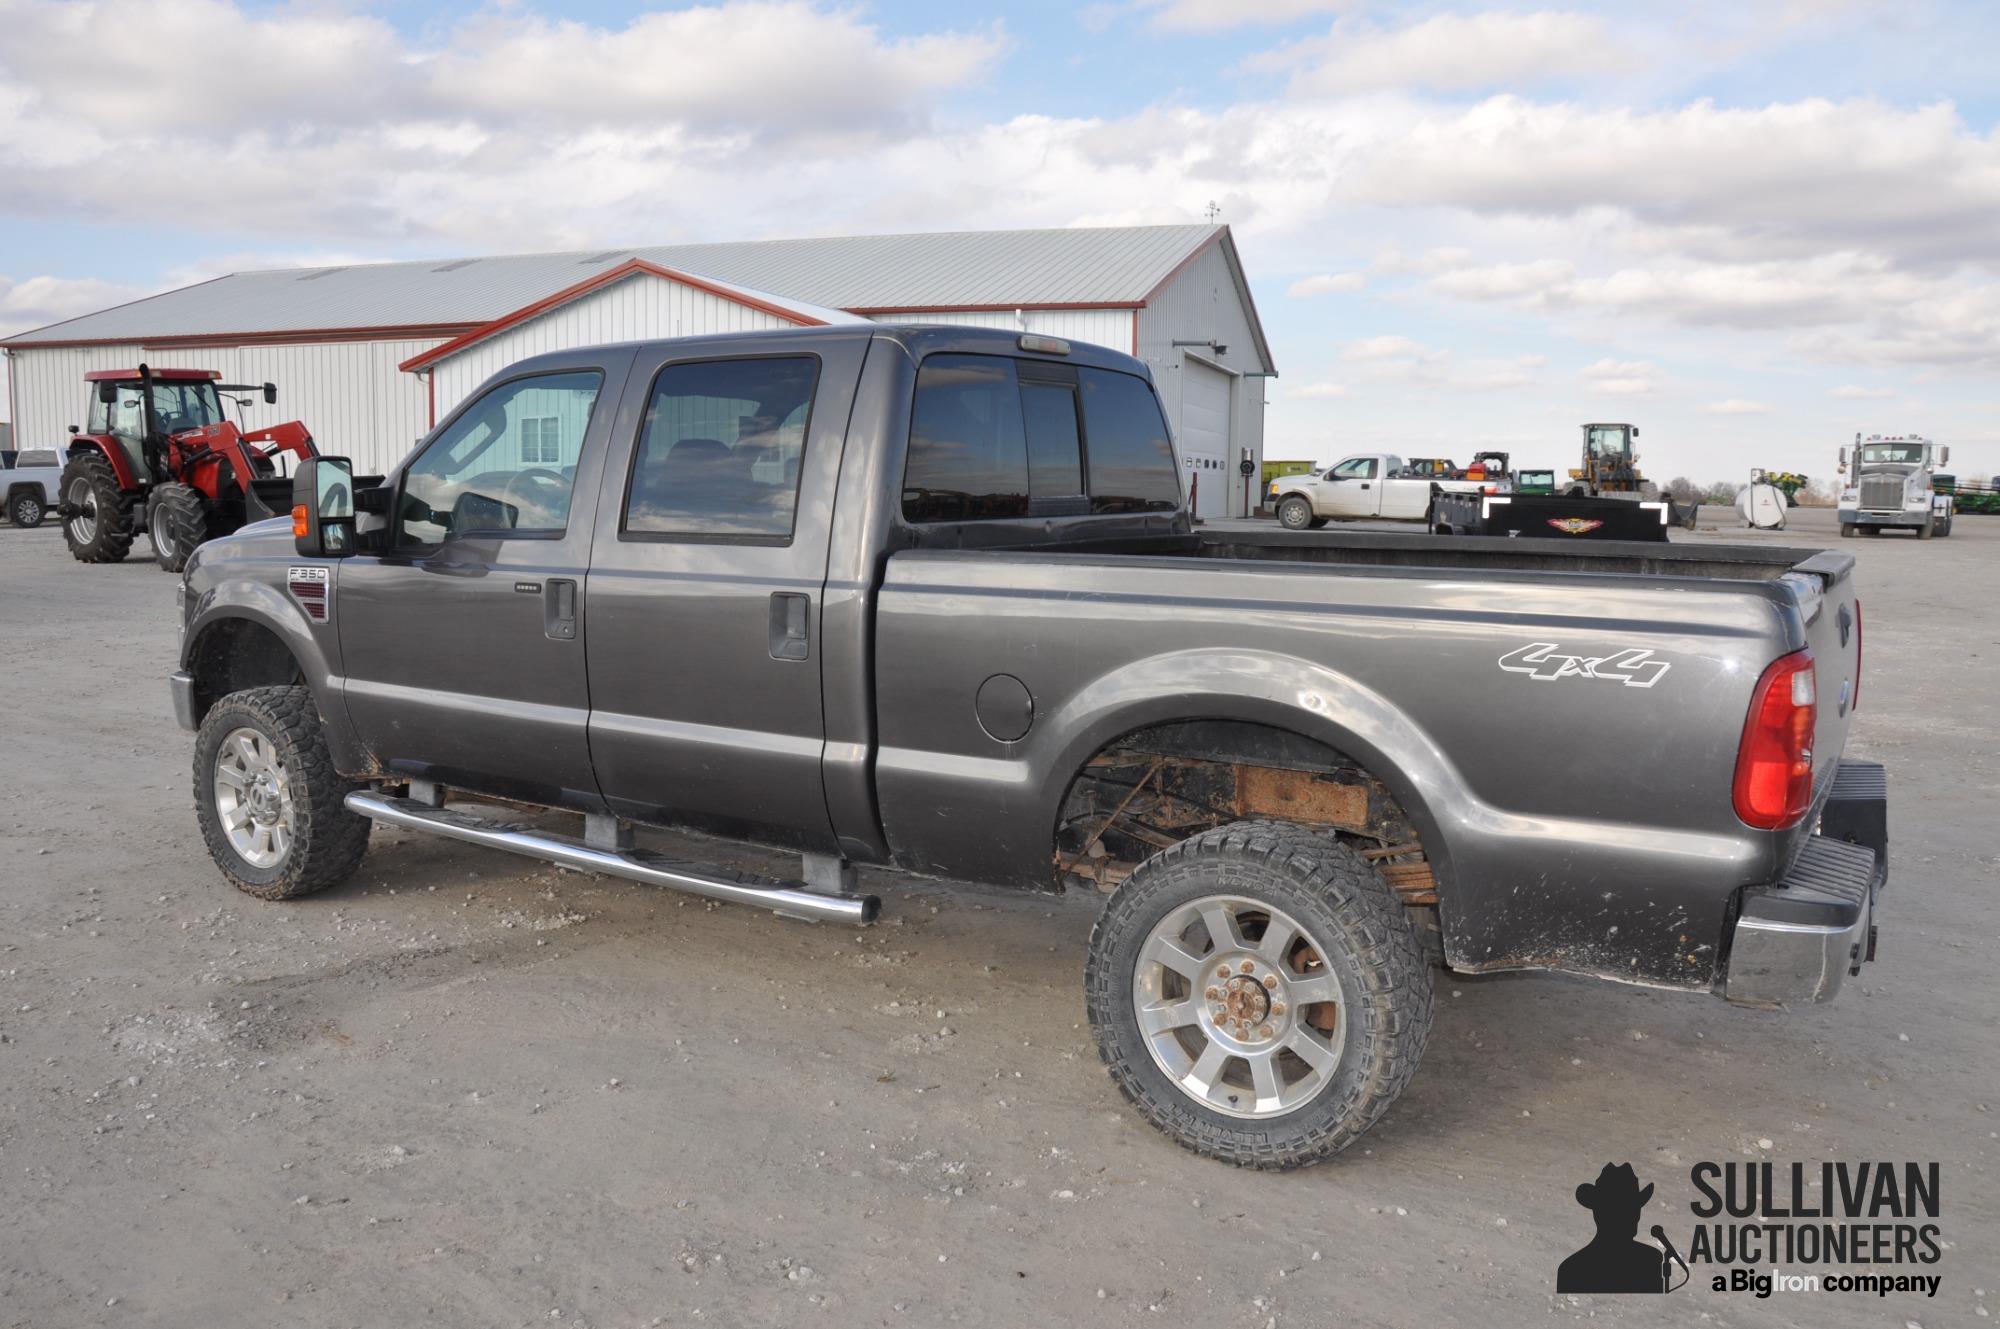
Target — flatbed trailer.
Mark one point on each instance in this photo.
(1549, 515)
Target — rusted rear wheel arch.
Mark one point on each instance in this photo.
(1278, 774)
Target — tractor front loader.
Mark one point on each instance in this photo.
(161, 455)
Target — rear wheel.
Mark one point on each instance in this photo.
(272, 808)
(1259, 994)
(1295, 513)
(178, 525)
(26, 509)
(98, 528)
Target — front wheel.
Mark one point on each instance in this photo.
(1847, 530)
(26, 509)
(1258, 993)
(178, 525)
(1295, 513)
(272, 808)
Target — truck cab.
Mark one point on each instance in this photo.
(1889, 482)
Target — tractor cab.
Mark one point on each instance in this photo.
(140, 413)
(1610, 461)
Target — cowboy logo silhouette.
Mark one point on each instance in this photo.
(1615, 1260)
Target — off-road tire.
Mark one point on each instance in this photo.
(327, 840)
(187, 519)
(26, 509)
(1374, 952)
(112, 538)
(1295, 513)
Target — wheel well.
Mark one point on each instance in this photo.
(236, 653)
(1157, 786)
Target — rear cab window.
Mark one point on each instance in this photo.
(995, 437)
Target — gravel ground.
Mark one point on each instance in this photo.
(468, 1090)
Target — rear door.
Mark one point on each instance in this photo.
(706, 586)
(463, 642)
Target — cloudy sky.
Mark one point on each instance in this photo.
(1752, 227)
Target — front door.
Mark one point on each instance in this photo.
(1352, 489)
(464, 640)
(705, 589)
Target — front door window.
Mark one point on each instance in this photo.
(505, 467)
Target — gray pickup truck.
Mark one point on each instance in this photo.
(929, 599)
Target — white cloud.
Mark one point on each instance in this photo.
(1317, 391)
(1620, 378)
(1326, 283)
(1452, 52)
(1215, 15)
(1736, 406)
(34, 302)
(1855, 392)
(1387, 347)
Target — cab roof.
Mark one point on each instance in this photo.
(171, 375)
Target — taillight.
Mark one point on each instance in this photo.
(1857, 658)
(1774, 763)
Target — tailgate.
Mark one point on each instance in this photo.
(1832, 614)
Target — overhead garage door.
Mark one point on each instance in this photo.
(1204, 436)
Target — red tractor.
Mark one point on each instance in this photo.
(160, 455)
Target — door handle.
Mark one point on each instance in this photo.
(790, 614)
(559, 610)
(1364, 484)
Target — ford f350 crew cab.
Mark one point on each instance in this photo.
(930, 599)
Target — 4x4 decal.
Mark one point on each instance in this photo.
(1634, 668)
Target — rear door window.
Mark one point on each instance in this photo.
(720, 451)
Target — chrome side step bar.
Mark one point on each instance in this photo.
(643, 865)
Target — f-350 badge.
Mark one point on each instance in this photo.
(1541, 662)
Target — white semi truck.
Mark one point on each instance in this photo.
(1888, 484)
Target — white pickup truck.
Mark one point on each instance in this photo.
(28, 481)
(1369, 484)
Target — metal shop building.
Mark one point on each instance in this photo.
(370, 356)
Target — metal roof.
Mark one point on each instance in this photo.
(1083, 266)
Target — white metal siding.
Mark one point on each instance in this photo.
(349, 394)
(1101, 327)
(640, 307)
(1202, 305)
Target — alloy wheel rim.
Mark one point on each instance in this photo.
(253, 798)
(83, 500)
(1238, 1007)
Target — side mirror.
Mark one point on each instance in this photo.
(270, 394)
(323, 507)
(1944, 456)
(1843, 459)
(107, 392)
(75, 430)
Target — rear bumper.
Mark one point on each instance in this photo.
(1798, 939)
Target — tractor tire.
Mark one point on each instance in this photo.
(1319, 1023)
(272, 808)
(99, 529)
(1295, 513)
(26, 509)
(179, 521)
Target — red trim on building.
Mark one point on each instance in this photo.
(1135, 334)
(431, 395)
(626, 269)
(297, 336)
(13, 404)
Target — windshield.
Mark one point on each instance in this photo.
(1608, 441)
(1892, 454)
(177, 405)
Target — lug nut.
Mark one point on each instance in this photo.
(1277, 1008)
(1222, 971)
(1213, 994)
(1264, 1031)
(1271, 981)
(1247, 966)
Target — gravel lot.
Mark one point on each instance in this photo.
(468, 1090)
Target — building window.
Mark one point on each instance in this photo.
(541, 441)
